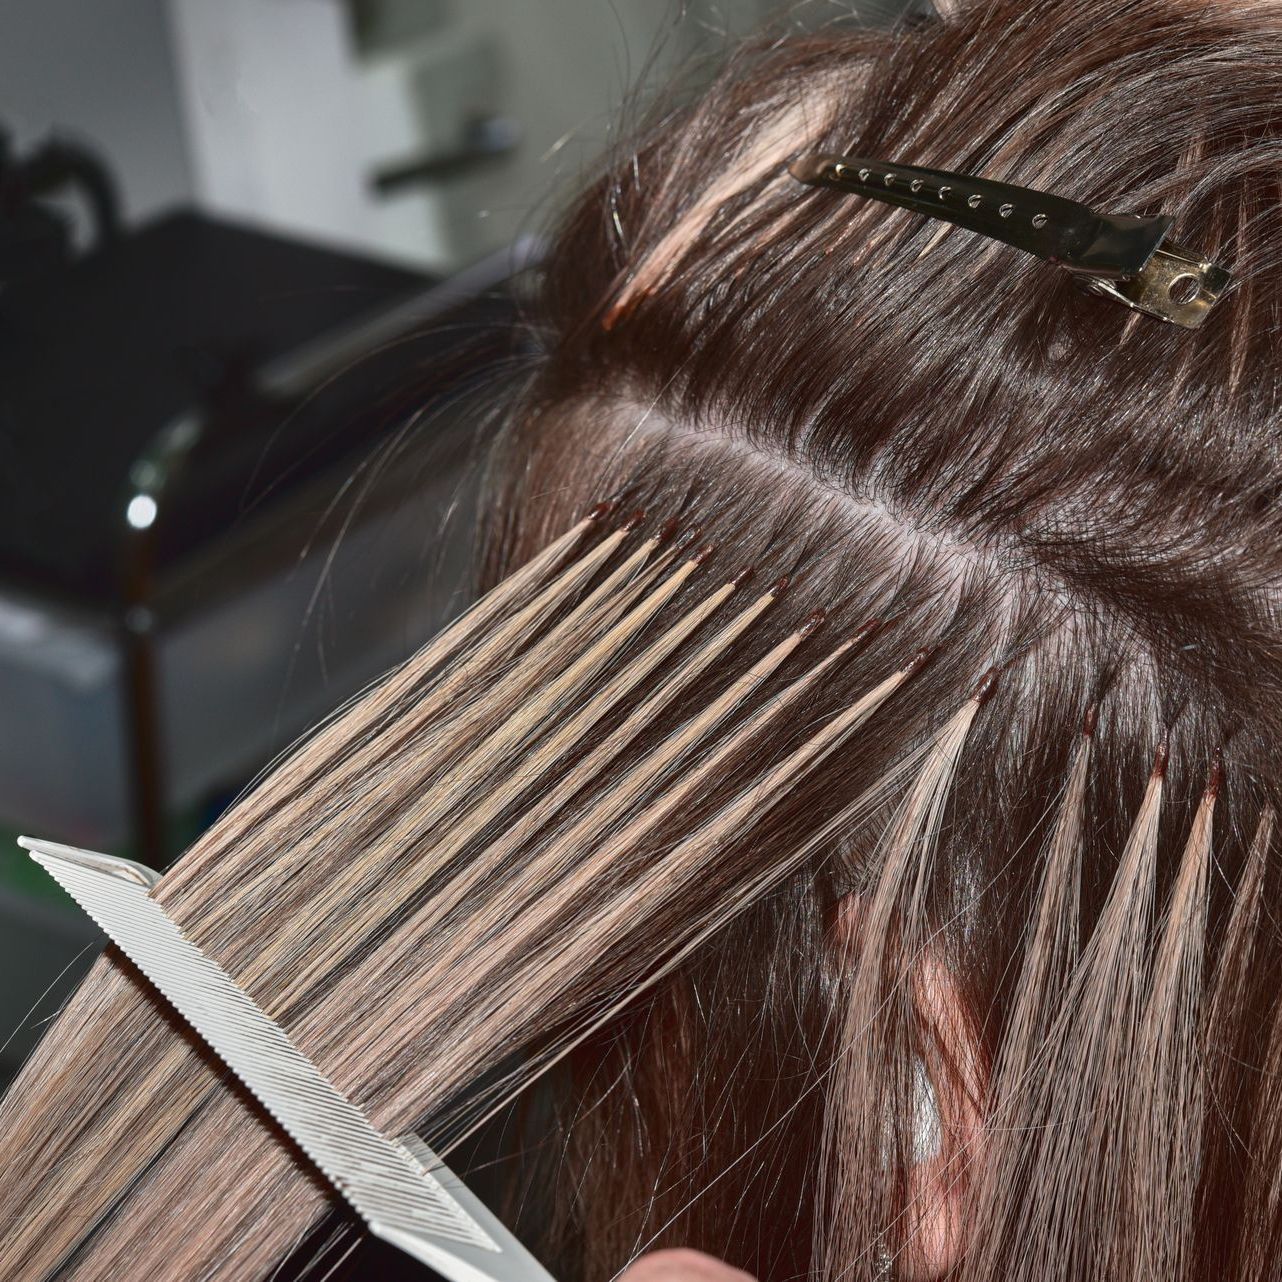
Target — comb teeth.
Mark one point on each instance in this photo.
(402, 1195)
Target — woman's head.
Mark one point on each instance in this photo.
(989, 990)
(924, 425)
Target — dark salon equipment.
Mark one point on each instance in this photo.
(227, 459)
(35, 236)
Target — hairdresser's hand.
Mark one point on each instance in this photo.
(682, 1266)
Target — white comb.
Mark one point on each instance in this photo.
(402, 1191)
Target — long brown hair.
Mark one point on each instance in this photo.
(711, 946)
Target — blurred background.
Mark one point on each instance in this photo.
(257, 259)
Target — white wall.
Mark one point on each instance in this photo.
(283, 127)
(280, 111)
(291, 106)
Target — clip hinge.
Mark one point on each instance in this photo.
(1175, 285)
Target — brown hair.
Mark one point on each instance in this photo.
(714, 940)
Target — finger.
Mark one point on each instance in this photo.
(682, 1265)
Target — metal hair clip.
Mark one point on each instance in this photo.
(1124, 257)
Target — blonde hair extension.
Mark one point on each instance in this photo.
(563, 866)
(1232, 976)
(1167, 1087)
(460, 791)
(1050, 954)
(462, 714)
(894, 928)
(777, 137)
(570, 733)
(465, 641)
(1096, 1032)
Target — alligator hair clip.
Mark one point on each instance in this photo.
(1124, 257)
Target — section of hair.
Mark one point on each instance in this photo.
(626, 859)
(1015, 1098)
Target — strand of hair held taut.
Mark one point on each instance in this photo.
(1050, 953)
(299, 764)
(450, 713)
(570, 734)
(555, 866)
(348, 898)
(666, 875)
(1167, 1090)
(162, 1093)
(181, 1093)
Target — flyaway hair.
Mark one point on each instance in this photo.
(848, 849)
